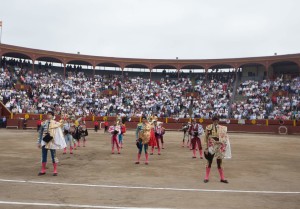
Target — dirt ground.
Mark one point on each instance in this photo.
(260, 163)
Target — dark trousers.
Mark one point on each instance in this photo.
(196, 141)
(219, 162)
(141, 145)
(45, 154)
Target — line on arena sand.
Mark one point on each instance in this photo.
(69, 205)
(148, 188)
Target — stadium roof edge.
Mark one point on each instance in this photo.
(66, 58)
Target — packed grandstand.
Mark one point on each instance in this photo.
(226, 94)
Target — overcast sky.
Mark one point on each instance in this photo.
(188, 29)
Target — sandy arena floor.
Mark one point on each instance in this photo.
(263, 173)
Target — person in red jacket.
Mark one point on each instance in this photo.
(105, 126)
(96, 125)
(38, 125)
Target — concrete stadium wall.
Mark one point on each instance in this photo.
(258, 71)
(4, 111)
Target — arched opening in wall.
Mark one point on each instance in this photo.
(165, 72)
(107, 69)
(136, 70)
(252, 71)
(19, 67)
(221, 73)
(78, 68)
(286, 70)
(16, 60)
(193, 72)
(49, 65)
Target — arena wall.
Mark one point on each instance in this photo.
(247, 126)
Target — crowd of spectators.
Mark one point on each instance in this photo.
(258, 102)
(79, 94)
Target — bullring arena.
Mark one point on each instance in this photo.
(263, 173)
(161, 104)
(257, 98)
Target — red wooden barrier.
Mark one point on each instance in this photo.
(270, 126)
